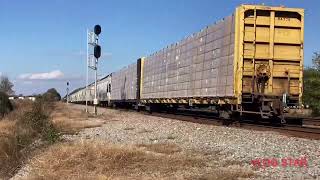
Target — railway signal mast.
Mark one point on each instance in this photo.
(92, 62)
(67, 92)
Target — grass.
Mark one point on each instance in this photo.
(98, 160)
(19, 129)
(6, 127)
(92, 160)
(153, 139)
(31, 121)
(171, 137)
(71, 121)
(230, 173)
(95, 160)
(164, 148)
(144, 130)
(128, 128)
(9, 156)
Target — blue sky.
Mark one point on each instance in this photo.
(48, 38)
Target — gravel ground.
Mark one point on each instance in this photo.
(231, 144)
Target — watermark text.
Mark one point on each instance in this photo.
(283, 162)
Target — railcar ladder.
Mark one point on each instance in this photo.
(254, 51)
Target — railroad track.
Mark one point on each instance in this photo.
(311, 122)
(209, 119)
(291, 130)
(313, 130)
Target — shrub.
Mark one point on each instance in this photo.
(9, 152)
(19, 129)
(311, 94)
(37, 123)
(5, 104)
(5, 85)
(311, 84)
(51, 95)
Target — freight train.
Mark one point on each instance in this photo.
(247, 64)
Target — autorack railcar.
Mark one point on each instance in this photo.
(249, 63)
(103, 92)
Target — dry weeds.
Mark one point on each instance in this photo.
(128, 128)
(144, 130)
(8, 147)
(69, 120)
(164, 148)
(20, 107)
(171, 137)
(7, 127)
(230, 173)
(17, 132)
(95, 160)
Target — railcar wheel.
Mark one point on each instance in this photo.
(224, 114)
(149, 109)
(137, 108)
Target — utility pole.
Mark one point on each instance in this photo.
(87, 78)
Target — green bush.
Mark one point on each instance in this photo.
(311, 82)
(5, 104)
(311, 85)
(36, 123)
(51, 95)
(28, 122)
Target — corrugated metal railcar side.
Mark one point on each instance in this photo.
(198, 67)
(124, 84)
(76, 96)
(222, 63)
(104, 89)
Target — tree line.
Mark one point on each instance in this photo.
(6, 90)
(311, 82)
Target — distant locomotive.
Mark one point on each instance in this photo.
(249, 63)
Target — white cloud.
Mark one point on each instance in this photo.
(56, 74)
(27, 82)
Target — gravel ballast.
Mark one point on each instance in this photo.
(227, 147)
(233, 144)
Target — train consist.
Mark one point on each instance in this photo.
(247, 64)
